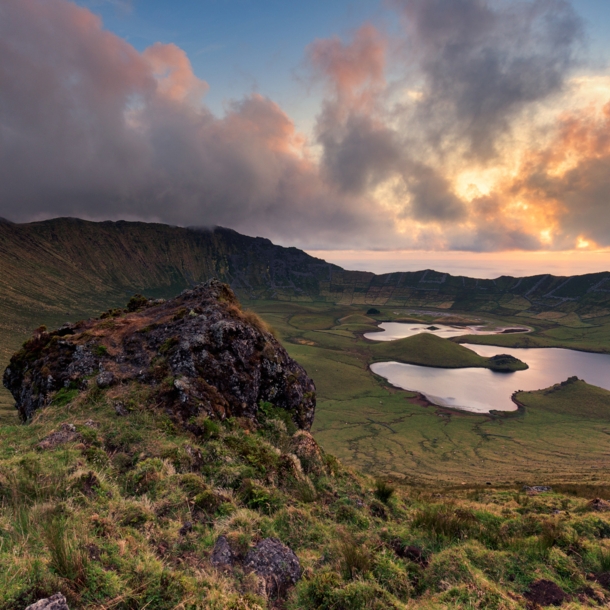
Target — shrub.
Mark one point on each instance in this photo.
(355, 558)
(383, 490)
(192, 484)
(134, 514)
(444, 521)
(305, 491)
(136, 302)
(268, 411)
(256, 497)
(67, 559)
(64, 396)
(100, 350)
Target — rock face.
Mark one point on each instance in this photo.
(222, 555)
(199, 353)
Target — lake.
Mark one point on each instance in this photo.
(390, 331)
(481, 390)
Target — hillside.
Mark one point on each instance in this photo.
(134, 487)
(63, 266)
(66, 269)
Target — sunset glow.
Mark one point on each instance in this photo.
(477, 125)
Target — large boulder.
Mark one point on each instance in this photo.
(200, 353)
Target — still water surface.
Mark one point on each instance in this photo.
(480, 390)
(390, 331)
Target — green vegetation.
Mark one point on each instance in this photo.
(572, 398)
(126, 515)
(427, 349)
(392, 433)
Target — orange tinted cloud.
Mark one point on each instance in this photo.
(174, 73)
(91, 127)
(355, 71)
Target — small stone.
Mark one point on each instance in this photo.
(66, 434)
(537, 489)
(55, 602)
(105, 379)
(308, 451)
(276, 563)
(599, 505)
(222, 555)
(120, 409)
(412, 553)
(186, 528)
(91, 424)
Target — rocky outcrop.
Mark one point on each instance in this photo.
(199, 353)
(309, 453)
(66, 434)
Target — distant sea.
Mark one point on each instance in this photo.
(471, 264)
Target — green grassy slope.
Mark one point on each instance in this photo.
(64, 269)
(126, 515)
(573, 397)
(427, 349)
(380, 429)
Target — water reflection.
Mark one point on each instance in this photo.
(481, 390)
(390, 331)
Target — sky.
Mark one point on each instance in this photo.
(468, 134)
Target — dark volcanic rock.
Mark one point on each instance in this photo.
(412, 553)
(276, 564)
(222, 555)
(55, 602)
(200, 353)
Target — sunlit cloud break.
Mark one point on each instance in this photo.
(480, 127)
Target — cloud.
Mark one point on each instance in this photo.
(174, 74)
(91, 127)
(570, 179)
(482, 62)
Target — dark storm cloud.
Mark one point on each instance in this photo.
(482, 62)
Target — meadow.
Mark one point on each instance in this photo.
(124, 514)
(379, 429)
